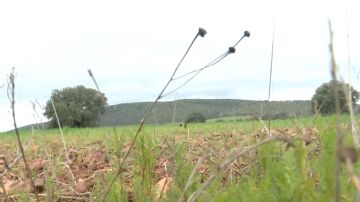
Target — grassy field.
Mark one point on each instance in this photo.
(214, 161)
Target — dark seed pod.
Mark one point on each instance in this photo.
(90, 73)
(247, 33)
(232, 50)
(202, 32)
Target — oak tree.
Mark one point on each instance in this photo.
(76, 107)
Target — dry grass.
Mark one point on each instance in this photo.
(90, 162)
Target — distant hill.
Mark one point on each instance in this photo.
(176, 111)
(38, 126)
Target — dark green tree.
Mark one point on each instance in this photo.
(195, 118)
(76, 107)
(324, 100)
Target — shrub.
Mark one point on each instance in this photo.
(324, 98)
(195, 118)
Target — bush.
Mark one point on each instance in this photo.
(324, 99)
(195, 118)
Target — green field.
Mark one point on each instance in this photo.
(213, 161)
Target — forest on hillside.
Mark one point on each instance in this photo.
(176, 111)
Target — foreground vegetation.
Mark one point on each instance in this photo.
(217, 161)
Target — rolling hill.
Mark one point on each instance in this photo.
(176, 111)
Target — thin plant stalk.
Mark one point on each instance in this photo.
(196, 72)
(354, 128)
(271, 70)
(201, 32)
(11, 95)
(63, 141)
(210, 64)
(213, 62)
(339, 135)
(216, 60)
(49, 189)
(41, 120)
(59, 125)
(94, 80)
(234, 156)
(14, 162)
(190, 179)
(163, 187)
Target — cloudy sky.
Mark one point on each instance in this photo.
(132, 48)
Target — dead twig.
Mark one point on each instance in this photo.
(350, 168)
(11, 95)
(163, 187)
(70, 172)
(14, 162)
(271, 69)
(232, 157)
(63, 141)
(190, 179)
(339, 134)
(266, 129)
(37, 115)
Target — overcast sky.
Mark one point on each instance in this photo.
(132, 48)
